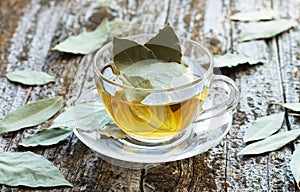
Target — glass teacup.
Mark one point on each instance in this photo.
(164, 114)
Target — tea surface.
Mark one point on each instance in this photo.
(154, 114)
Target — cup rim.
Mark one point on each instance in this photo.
(190, 84)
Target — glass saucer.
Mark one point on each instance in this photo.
(196, 139)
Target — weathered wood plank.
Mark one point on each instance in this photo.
(122, 179)
(289, 62)
(89, 172)
(39, 25)
(216, 33)
(206, 171)
(260, 85)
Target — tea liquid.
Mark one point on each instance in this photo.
(154, 115)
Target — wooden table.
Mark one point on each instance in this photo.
(29, 28)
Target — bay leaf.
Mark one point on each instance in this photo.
(30, 114)
(160, 74)
(30, 77)
(294, 164)
(267, 29)
(86, 42)
(46, 137)
(137, 81)
(264, 127)
(232, 60)
(86, 116)
(113, 131)
(118, 26)
(127, 52)
(89, 116)
(104, 3)
(291, 106)
(29, 169)
(271, 143)
(267, 14)
(165, 45)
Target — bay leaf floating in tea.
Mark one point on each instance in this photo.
(165, 45)
(142, 66)
(127, 52)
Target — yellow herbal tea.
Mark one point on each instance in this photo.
(153, 115)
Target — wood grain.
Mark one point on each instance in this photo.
(26, 41)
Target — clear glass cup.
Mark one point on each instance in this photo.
(163, 115)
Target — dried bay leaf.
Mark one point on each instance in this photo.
(29, 169)
(86, 116)
(268, 14)
(264, 127)
(46, 137)
(86, 42)
(232, 60)
(112, 130)
(104, 3)
(271, 143)
(30, 77)
(165, 45)
(118, 26)
(294, 164)
(137, 81)
(127, 52)
(291, 106)
(268, 29)
(30, 114)
(89, 116)
(141, 65)
(159, 73)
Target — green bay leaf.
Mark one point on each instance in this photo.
(271, 143)
(291, 106)
(232, 60)
(46, 137)
(264, 127)
(29, 169)
(294, 164)
(127, 52)
(268, 29)
(86, 42)
(165, 45)
(30, 77)
(268, 14)
(31, 114)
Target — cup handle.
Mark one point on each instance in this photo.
(227, 84)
